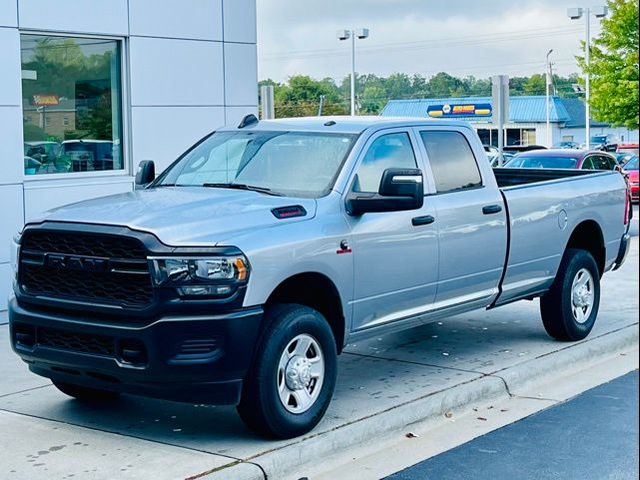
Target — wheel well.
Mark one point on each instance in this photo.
(588, 236)
(316, 291)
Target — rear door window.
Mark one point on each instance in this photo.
(452, 161)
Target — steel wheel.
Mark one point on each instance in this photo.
(300, 373)
(582, 295)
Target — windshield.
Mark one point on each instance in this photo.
(632, 164)
(599, 139)
(523, 161)
(286, 163)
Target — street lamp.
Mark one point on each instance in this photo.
(575, 14)
(361, 34)
(549, 77)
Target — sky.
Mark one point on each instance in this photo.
(460, 37)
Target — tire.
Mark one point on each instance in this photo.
(284, 395)
(85, 394)
(568, 317)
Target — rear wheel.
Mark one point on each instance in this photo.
(293, 377)
(570, 308)
(85, 394)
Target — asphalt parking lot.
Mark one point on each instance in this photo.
(46, 435)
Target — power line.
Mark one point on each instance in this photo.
(423, 45)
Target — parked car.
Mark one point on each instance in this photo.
(628, 148)
(622, 158)
(89, 155)
(567, 145)
(522, 148)
(562, 158)
(631, 170)
(606, 143)
(240, 273)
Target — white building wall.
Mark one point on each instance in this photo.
(622, 134)
(190, 67)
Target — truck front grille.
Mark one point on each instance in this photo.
(86, 267)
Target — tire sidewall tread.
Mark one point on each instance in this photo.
(556, 306)
(260, 406)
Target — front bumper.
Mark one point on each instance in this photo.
(200, 359)
(625, 245)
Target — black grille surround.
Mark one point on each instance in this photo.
(76, 342)
(85, 267)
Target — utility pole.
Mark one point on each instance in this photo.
(500, 109)
(321, 105)
(549, 77)
(266, 102)
(361, 34)
(575, 14)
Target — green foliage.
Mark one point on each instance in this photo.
(300, 96)
(614, 66)
(62, 67)
(535, 85)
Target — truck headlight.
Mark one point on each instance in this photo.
(207, 276)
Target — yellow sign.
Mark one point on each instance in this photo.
(46, 100)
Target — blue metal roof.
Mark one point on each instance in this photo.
(525, 109)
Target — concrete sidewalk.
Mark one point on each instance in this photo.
(384, 385)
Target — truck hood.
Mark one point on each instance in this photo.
(183, 216)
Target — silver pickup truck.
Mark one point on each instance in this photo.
(238, 275)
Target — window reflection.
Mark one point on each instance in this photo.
(71, 101)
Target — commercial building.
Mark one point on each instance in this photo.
(527, 118)
(89, 88)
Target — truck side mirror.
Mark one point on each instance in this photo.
(400, 189)
(146, 173)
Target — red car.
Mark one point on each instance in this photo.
(628, 148)
(631, 170)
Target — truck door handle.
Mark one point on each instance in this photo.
(425, 220)
(491, 209)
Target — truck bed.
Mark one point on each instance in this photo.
(510, 177)
(544, 206)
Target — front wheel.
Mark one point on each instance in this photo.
(293, 377)
(570, 308)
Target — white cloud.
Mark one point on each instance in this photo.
(462, 37)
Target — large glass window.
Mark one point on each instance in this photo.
(72, 104)
(452, 162)
(387, 151)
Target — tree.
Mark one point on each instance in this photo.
(535, 85)
(614, 66)
(301, 97)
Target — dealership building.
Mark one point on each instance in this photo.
(527, 118)
(89, 88)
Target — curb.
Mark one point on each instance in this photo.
(282, 462)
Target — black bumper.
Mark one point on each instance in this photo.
(200, 359)
(625, 244)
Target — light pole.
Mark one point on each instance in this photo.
(575, 14)
(361, 34)
(549, 141)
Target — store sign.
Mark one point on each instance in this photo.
(463, 110)
(45, 100)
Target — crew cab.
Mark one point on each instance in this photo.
(239, 274)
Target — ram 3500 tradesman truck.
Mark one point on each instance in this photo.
(238, 275)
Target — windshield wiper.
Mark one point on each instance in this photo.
(243, 186)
